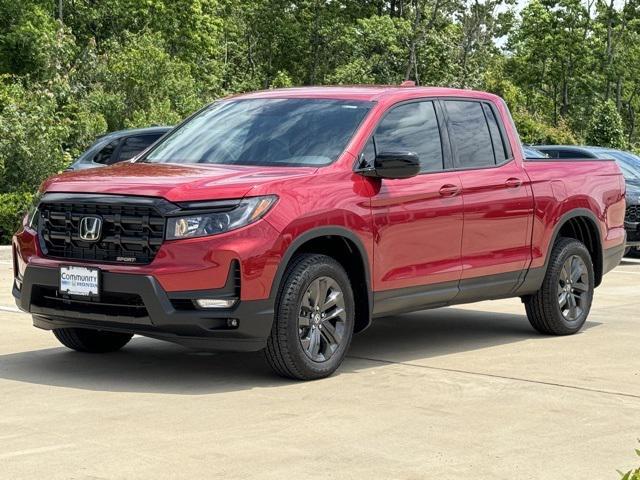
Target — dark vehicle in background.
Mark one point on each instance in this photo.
(629, 163)
(118, 146)
(530, 152)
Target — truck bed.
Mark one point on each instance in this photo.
(560, 186)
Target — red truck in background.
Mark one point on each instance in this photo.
(287, 220)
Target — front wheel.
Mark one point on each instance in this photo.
(314, 319)
(562, 304)
(91, 341)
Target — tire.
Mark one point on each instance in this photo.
(550, 309)
(91, 341)
(314, 307)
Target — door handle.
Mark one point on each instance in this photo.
(513, 182)
(449, 190)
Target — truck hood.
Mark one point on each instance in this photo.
(173, 182)
(633, 192)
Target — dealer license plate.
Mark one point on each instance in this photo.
(80, 281)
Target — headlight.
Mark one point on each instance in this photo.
(202, 224)
(31, 218)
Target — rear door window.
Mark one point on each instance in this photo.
(469, 134)
(412, 127)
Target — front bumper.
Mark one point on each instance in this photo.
(138, 304)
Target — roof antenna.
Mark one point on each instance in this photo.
(408, 83)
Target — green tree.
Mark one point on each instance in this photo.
(551, 59)
(372, 51)
(35, 44)
(32, 134)
(605, 128)
(141, 82)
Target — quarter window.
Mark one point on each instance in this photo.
(368, 155)
(412, 127)
(469, 134)
(496, 136)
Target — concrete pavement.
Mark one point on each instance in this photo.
(468, 392)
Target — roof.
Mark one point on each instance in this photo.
(370, 93)
(571, 147)
(136, 131)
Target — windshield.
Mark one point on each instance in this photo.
(628, 163)
(273, 132)
(530, 152)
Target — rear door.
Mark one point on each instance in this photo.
(498, 200)
(417, 221)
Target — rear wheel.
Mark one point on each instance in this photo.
(314, 319)
(91, 341)
(562, 304)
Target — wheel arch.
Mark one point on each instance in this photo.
(580, 224)
(347, 248)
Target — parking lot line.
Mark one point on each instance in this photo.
(9, 309)
(32, 451)
(503, 377)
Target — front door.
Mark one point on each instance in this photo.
(417, 222)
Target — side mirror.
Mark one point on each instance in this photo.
(394, 165)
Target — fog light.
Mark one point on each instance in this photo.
(215, 302)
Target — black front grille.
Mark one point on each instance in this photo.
(131, 232)
(632, 214)
(633, 236)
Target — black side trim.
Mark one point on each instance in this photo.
(612, 257)
(488, 287)
(532, 281)
(402, 300)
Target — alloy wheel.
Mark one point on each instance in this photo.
(573, 288)
(321, 319)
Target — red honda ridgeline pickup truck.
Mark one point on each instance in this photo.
(287, 220)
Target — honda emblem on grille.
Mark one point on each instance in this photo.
(90, 228)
